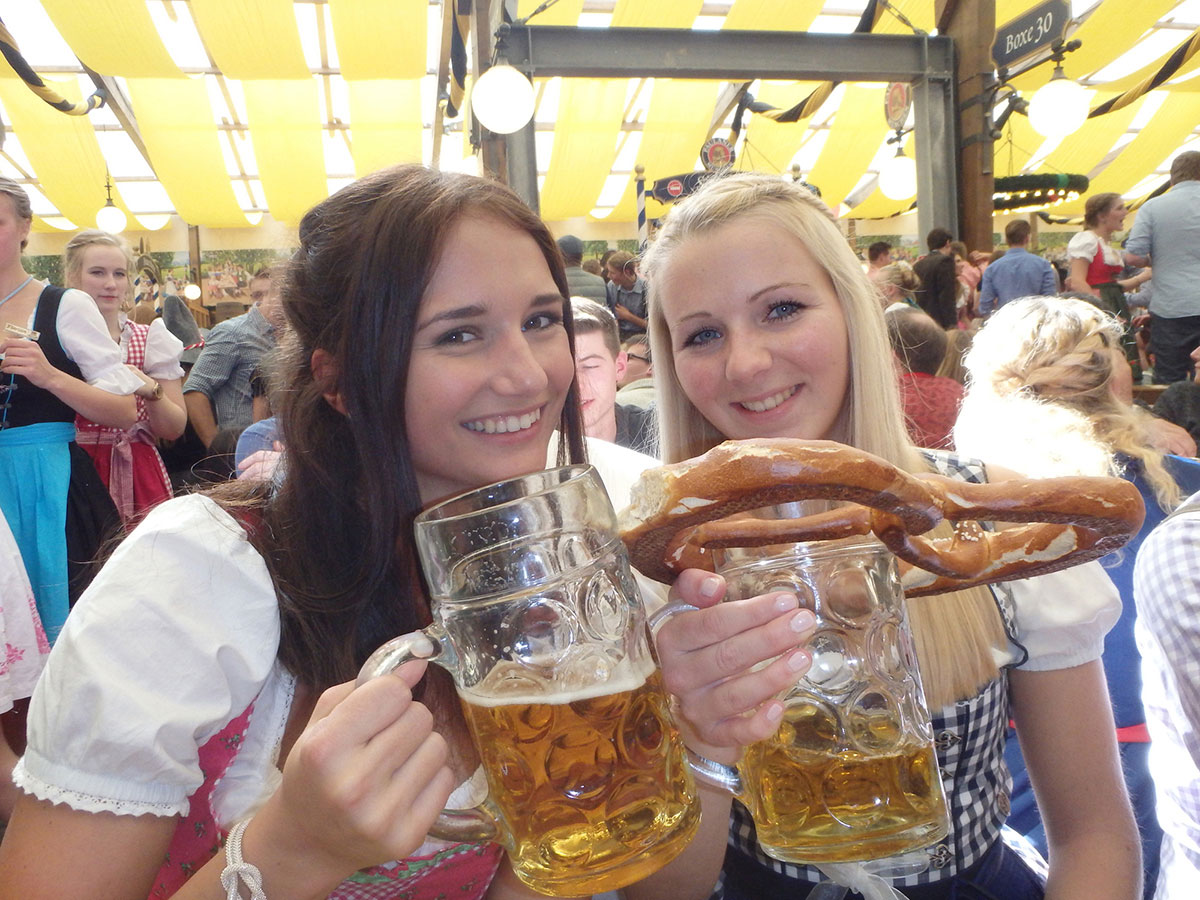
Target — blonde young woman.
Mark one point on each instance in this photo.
(1048, 395)
(763, 325)
(127, 460)
(899, 284)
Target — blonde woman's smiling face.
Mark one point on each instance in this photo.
(758, 335)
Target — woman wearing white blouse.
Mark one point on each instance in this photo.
(127, 459)
(57, 361)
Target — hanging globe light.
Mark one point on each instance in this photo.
(502, 99)
(109, 217)
(1059, 107)
(898, 177)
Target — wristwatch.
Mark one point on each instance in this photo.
(157, 395)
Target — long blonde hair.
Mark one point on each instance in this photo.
(955, 633)
(1039, 398)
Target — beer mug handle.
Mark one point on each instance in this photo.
(464, 826)
(712, 773)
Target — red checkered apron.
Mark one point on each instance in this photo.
(127, 461)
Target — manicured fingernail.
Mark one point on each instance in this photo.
(710, 587)
(798, 661)
(774, 712)
(784, 602)
(803, 620)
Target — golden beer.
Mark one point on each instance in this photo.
(821, 807)
(593, 789)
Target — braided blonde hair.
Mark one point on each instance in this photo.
(1039, 396)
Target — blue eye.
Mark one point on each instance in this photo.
(783, 310)
(701, 337)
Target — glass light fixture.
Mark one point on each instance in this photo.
(898, 176)
(191, 291)
(502, 99)
(110, 218)
(1059, 107)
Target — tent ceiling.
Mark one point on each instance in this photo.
(247, 107)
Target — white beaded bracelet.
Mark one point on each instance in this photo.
(237, 871)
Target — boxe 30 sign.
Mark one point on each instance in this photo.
(1036, 30)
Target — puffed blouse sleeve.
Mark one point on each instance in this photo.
(1083, 246)
(85, 339)
(1062, 618)
(176, 636)
(163, 350)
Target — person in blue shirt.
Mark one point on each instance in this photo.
(1166, 234)
(1018, 273)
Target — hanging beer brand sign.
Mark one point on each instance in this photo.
(897, 101)
(717, 153)
(1027, 34)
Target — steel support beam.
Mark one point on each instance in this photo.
(522, 166)
(547, 51)
(935, 133)
(927, 62)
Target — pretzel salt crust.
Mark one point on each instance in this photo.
(679, 512)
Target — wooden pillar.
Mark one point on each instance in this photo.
(972, 26)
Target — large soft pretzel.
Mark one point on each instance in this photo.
(679, 512)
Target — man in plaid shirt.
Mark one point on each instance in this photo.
(1167, 590)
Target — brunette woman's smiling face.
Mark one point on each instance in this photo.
(491, 366)
(757, 331)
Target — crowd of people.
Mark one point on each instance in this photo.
(430, 336)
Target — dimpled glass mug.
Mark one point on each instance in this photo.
(538, 619)
(850, 775)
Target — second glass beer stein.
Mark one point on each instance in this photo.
(538, 618)
(850, 775)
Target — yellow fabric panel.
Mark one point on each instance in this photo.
(659, 14)
(858, 130)
(671, 137)
(62, 149)
(1081, 151)
(285, 127)
(877, 206)
(380, 39)
(251, 40)
(564, 12)
(771, 15)
(1108, 33)
(113, 37)
(1165, 131)
(770, 145)
(385, 123)
(1124, 84)
(176, 122)
(585, 145)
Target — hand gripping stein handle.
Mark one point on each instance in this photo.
(465, 826)
(719, 775)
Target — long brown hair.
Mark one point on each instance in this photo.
(337, 534)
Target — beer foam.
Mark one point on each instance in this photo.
(511, 684)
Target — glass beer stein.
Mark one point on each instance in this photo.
(538, 619)
(850, 775)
